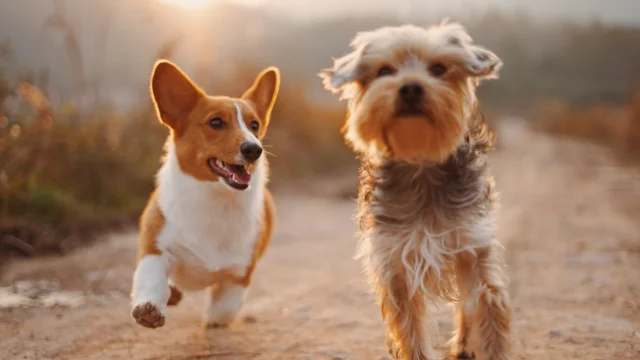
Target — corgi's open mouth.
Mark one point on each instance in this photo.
(234, 175)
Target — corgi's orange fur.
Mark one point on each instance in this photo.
(211, 216)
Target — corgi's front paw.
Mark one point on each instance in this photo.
(216, 325)
(148, 315)
(219, 321)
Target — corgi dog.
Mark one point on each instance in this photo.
(211, 216)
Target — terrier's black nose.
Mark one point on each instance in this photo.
(251, 151)
(411, 92)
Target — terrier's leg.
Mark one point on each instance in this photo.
(405, 317)
(488, 308)
(460, 341)
(223, 302)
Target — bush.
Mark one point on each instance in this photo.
(617, 126)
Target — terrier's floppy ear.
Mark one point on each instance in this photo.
(173, 93)
(264, 91)
(476, 60)
(482, 63)
(345, 69)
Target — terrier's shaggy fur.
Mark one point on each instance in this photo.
(426, 201)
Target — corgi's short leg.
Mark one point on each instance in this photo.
(223, 302)
(176, 295)
(151, 291)
(225, 299)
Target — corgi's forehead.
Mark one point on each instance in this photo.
(221, 106)
(227, 108)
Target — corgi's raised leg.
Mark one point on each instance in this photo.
(151, 291)
(176, 295)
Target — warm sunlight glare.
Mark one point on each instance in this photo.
(198, 3)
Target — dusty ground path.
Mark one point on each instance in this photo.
(569, 220)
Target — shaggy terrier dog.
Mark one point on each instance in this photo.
(426, 202)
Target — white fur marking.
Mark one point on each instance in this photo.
(150, 281)
(226, 306)
(209, 225)
(248, 135)
(414, 63)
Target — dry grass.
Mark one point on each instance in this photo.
(66, 174)
(617, 126)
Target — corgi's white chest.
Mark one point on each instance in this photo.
(208, 225)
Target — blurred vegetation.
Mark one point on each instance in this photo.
(614, 125)
(64, 171)
(68, 171)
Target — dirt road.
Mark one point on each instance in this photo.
(570, 221)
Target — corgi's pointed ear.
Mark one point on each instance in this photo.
(173, 93)
(264, 91)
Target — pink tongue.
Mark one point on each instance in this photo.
(241, 173)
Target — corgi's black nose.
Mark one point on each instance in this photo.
(251, 151)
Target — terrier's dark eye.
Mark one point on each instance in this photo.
(384, 71)
(254, 125)
(216, 123)
(438, 70)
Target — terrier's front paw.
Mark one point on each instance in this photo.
(392, 347)
(148, 315)
(463, 355)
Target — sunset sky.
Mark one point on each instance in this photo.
(119, 38)
(618, 11)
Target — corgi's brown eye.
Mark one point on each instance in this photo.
(216, 123)
(384, 71)
(254, 125)
(438, 69)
